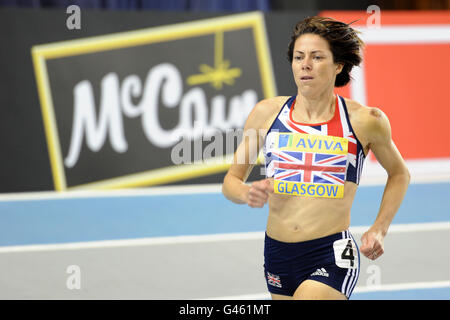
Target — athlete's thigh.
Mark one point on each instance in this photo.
(315, 290)
(280, 297)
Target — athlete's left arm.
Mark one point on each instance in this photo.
(378, 132)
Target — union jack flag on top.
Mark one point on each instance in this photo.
(311, 167)
(313, 159)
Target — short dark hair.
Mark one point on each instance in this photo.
(343, 41)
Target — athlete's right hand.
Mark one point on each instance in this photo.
(259, 193)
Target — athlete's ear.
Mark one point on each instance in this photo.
(339, 67)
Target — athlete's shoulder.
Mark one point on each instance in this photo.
(371, 121)
(265, 111)
(271, 104)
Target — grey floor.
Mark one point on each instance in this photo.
(198, 270)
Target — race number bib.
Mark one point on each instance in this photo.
(346, 253)
(309, 165)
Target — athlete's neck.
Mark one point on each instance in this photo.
(314, 109)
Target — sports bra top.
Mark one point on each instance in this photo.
(313, 159)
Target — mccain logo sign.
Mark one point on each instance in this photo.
(115, 106)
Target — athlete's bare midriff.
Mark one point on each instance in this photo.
(295, 219)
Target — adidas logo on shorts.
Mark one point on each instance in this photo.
(320, 272)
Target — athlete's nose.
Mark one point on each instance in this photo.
(306, 64)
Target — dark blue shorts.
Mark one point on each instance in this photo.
(332, 260)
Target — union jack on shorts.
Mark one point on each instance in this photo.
(273, 280)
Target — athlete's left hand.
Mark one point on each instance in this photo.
(372, 244)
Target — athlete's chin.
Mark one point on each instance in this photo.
(309, 91)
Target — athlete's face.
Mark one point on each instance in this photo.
(313, 66)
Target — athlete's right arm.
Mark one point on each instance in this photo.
(234, 187)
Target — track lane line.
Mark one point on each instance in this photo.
(257, 235)
(374, 288)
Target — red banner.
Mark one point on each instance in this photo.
(405, 73)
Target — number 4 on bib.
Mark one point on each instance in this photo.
(348, 253)
(345, 254)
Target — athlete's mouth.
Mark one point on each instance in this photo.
(306, 78)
